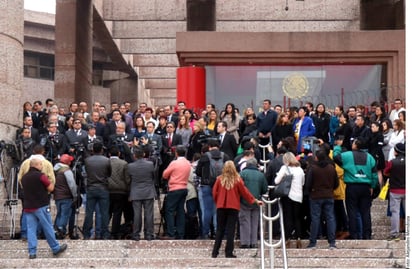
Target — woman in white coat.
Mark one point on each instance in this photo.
(398, 136)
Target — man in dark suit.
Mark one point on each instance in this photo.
(154, 140)
(142, 194)
(94, 118)
(28, 123)
(123, 140)
(181, 106)
(91, 138)
(74, 136)
(169, 142)
(54, 143)
(37, 115)
(227, 141)
(111, 125)
(98, 171)
(119, 183)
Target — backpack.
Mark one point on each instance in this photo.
(215, 167)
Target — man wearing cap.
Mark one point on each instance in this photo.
(65, 193)
(395, 169)
(361, 177)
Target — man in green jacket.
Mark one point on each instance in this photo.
(256, 183)
(360, 176)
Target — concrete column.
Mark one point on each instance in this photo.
(73, 51)
(11, 67)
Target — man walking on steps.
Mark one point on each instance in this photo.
(37, 209)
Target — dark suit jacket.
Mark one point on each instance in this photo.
(229, 146)
(110, 129)
(156, 142)
(142, 184)
(88, 149)
(37, 119)
(168, 153)
(71, 138)
(125, 152)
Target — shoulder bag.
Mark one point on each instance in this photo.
(283, 188)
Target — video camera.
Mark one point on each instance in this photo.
(204, 139)
(78, 148)
(310, 144)
(10, 149)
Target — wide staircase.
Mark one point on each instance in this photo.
(376, 253)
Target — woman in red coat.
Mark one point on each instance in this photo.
(227, 190)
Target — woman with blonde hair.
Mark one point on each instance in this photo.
(227, 190)
(292, 205)
(184, 129)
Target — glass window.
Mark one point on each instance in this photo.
(294, 85)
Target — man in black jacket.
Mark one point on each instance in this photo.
(321, 180)
(206, 202)
(98, 171)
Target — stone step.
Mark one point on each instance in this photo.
(196, 254)
(187, 262)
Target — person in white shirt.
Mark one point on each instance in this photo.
(395, 112)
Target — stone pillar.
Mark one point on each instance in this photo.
(73, 51)
(11, 66)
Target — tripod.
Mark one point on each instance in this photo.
(77, 204)
(12, 193)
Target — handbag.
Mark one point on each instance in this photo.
(383, 195)
(283, 188)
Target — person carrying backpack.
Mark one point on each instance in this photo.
(209, 167)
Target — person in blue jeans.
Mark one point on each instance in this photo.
(207, 205)
(98, 171)
(177, 174)
(321, 180)
(37, 209)
(65, 193)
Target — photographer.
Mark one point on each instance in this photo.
(24, 144)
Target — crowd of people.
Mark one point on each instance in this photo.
(120, 161)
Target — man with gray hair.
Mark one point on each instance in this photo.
(256, 183)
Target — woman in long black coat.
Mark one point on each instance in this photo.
(321, 120)
(282, 129)
(375, 148)
(344, 130)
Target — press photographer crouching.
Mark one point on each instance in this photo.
(24, 144)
